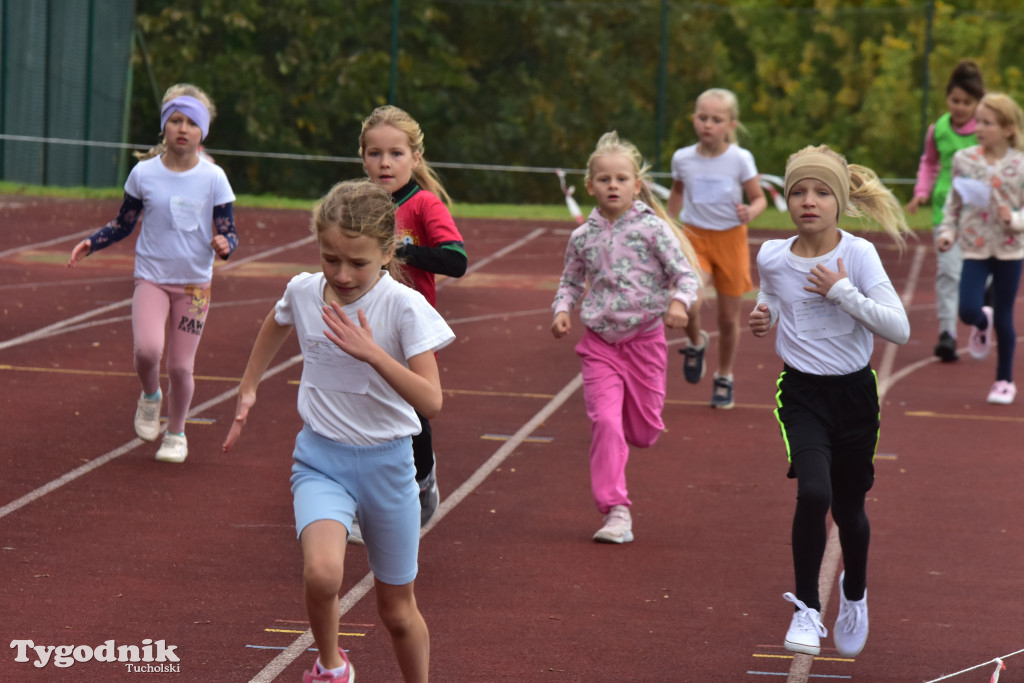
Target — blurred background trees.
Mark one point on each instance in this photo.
(535, 82)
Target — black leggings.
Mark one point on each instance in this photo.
(830, 425)
(814, 496)
(423, 449)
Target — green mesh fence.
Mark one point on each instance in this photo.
(64, 76)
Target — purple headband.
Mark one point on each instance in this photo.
(190, 107)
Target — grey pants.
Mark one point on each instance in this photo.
(947, 287)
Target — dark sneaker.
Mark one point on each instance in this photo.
(693, 363)
(721, 397)
(946, 348)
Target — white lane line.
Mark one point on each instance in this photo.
(800, 670)
(62, 325)
(47, 243)
(359, 591)
(477, 265)
(74, 474)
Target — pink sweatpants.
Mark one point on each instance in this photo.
(183, 309)
(624, 388)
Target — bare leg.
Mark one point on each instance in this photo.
(693, 323)
(728, 332)
(409, 635)
(323, 554)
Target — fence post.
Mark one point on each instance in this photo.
(393, 74)
(659, 128)
(926, 70)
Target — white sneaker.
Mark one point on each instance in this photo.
(851, 631)
(173, 449)
(805, 630)
(355, 533)
(147, 418)
(618, 526)
(1002, 393)
(430, 496)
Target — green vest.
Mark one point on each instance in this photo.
(948, 142)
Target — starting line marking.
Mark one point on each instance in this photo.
(529, 439)
(955, 416)
(781, 673)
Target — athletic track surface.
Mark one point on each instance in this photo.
(100, 542)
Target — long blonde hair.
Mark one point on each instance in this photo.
(178, 90)
(361, 206)
(610, 143)
(423, 174)
(868, 196)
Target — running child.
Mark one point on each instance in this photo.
(368, 346)
(429, 244)
(983, 215)
(185, 203)
(709, 182)
(952, 132)
(829, 294)
(628, 267)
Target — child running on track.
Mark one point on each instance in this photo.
(391, 147)
(952, 132)
(709, 181)
(829, 293)
(182, 199)
(628, 266)
(368, 347)
(984, 217)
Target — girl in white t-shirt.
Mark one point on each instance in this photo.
(185, 203)
(364, 379)
(709, 181)
(829, 293)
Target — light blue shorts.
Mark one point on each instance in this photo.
(332, 480)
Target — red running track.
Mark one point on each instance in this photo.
(99, 542)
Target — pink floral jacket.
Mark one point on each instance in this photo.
(634, 267)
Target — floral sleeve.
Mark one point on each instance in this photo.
(119, 228)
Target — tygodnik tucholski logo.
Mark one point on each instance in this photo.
(149, 657)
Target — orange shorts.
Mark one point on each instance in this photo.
(725, 255)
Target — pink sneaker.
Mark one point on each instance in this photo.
(317, 675)
(980, 341)
(1002, 392)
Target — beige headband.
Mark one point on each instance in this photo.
(825, 168)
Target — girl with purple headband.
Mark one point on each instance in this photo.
(185, 204)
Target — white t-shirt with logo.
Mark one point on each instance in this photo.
(177, 220)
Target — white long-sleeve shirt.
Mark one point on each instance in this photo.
(831, 335)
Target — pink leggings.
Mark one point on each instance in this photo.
(186, 307)
(624, 390)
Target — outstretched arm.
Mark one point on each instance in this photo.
(268, 342)
(114, 231)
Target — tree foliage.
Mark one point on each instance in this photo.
(536, 82)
